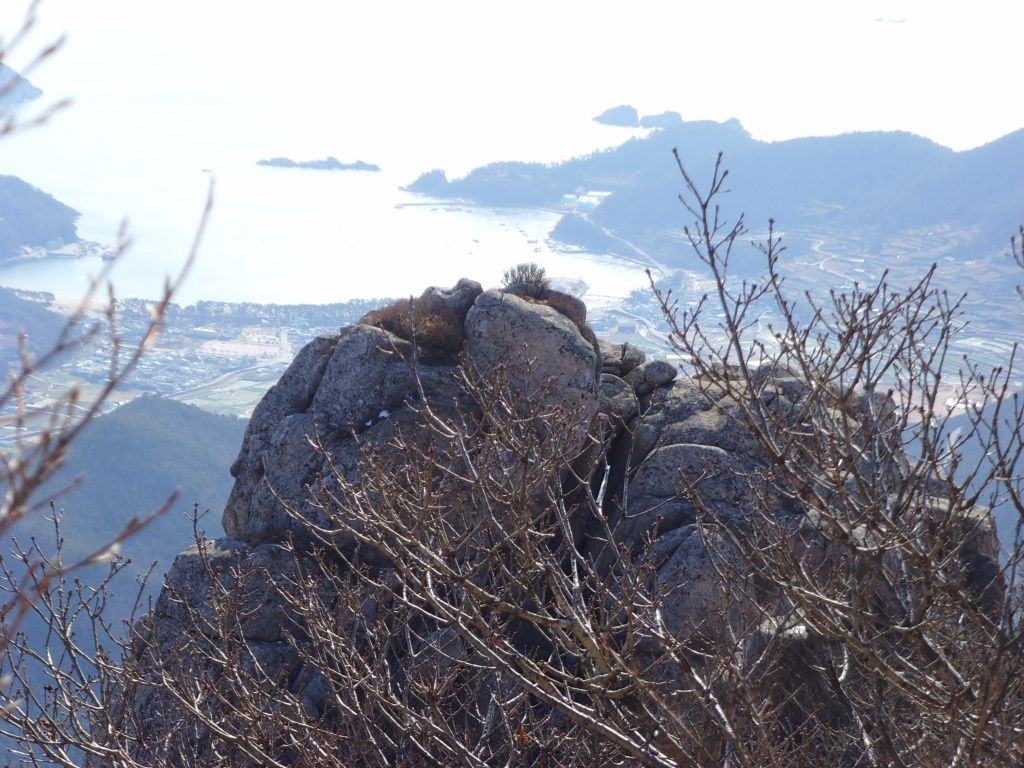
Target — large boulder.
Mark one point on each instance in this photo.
(538, 350)
(354, 390)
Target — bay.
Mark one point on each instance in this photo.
(292, 235)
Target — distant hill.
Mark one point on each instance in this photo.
(15, 90)
(129, 462)
(883, 182)
(31, 318)
(626, 116)
(31, 217)
(634, 165)
(879, 183)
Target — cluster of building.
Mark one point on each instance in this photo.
(184, 361)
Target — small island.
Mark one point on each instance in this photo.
(627, 117)
(623, 115)
(330, 164)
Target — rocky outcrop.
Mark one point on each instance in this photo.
(355, 389)
(536, 346)
(662, 453)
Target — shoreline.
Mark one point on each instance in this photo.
(83, 249)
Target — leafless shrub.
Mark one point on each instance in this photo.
(528, 272)
(918, 638)
(56, 685)
(479, 633)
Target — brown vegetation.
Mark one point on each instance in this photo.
(435, 329)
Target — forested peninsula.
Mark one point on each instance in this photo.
(32, 219)
(877, 183)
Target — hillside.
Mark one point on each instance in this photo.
(20, 316)
(33, 218)
(15, 90)
(129, 462)
(880, 183)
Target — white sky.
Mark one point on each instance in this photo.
(949, 71)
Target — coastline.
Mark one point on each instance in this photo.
(81, 250)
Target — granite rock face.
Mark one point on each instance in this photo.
(535, 345)
(348, 391)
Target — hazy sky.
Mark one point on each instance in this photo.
(949, 71)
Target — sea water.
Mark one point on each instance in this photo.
(279, 235)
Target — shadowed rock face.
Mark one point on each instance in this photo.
(637, 428)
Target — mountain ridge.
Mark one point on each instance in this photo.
(886, 181)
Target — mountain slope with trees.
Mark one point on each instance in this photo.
(33, 218)
(28, 318)
(128, 463)
(879, 183)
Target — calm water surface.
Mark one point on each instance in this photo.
(288, 235)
